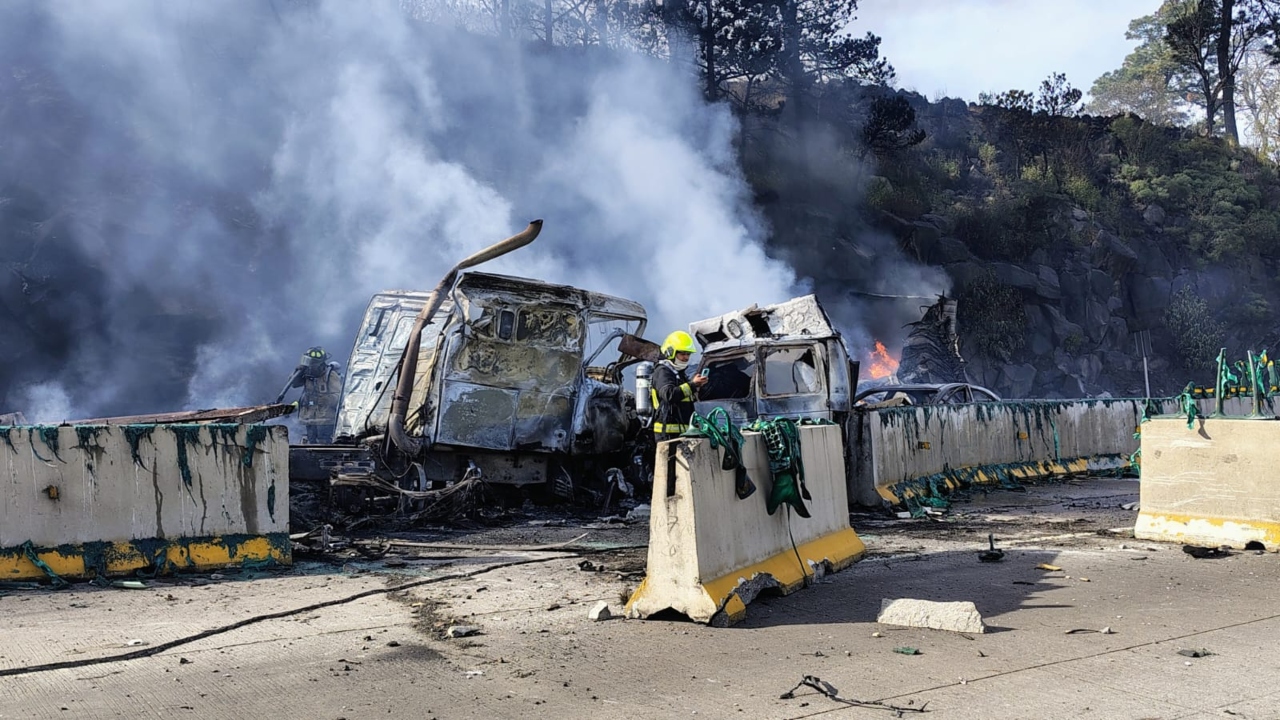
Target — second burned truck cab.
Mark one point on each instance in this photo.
(783, 360)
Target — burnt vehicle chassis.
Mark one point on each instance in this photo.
(516, 386)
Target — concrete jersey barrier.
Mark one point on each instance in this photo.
(114, 499)
(912, 452)
(711, 553)
(1210, 485)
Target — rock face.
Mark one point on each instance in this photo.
(1090, 307)
(1082, 247)
(1094, 276)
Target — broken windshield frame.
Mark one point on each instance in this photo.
(602, 333)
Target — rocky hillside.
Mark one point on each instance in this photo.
(1071, 243)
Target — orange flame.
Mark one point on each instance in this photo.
(880, 363)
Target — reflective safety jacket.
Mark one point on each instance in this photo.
(672, 399)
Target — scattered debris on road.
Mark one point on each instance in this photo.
(953, 616)
(1104, 631)
(600, 612)
(828, 690)
(1204, 553)
(991, 555)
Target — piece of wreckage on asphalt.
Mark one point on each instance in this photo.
(502, 383)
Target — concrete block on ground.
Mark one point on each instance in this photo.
(954, 616)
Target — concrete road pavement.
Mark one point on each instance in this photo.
(537, 655)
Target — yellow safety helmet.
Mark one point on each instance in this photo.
(678, 342)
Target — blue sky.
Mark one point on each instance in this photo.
(960, 48)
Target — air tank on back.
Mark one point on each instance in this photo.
(644, 398)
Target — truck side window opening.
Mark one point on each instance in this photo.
(506, 324)
(791, 371)
(729, 379)
(600, 327)
(805, 374)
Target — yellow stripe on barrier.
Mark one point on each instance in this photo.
(908, 489)
(85, 561)
(1206, 531)
(829, 553)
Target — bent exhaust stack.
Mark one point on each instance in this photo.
(409, 361)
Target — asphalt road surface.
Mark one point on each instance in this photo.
(354, 635)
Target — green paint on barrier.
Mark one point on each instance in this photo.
(227, 431)
(252, 437)
(135, 434)
(185, 435)
(271, 500)
(29, 550)
(87, 436)
(49, 436)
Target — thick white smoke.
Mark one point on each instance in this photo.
(259, 171)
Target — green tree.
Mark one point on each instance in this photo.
(1147, 83)
(1191, 54)
(890, 125)
(1028, 122)
(994, 316)
(1057, 98)
(1258, 91)
(1196, 338)
(1009, 100)
(737, 43)
(1191, 35)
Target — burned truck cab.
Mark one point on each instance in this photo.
(514, 378)
(784, 360)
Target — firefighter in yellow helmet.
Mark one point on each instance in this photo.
(673, 390)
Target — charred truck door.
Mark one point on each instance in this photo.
(510, 376)
(510, 392)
